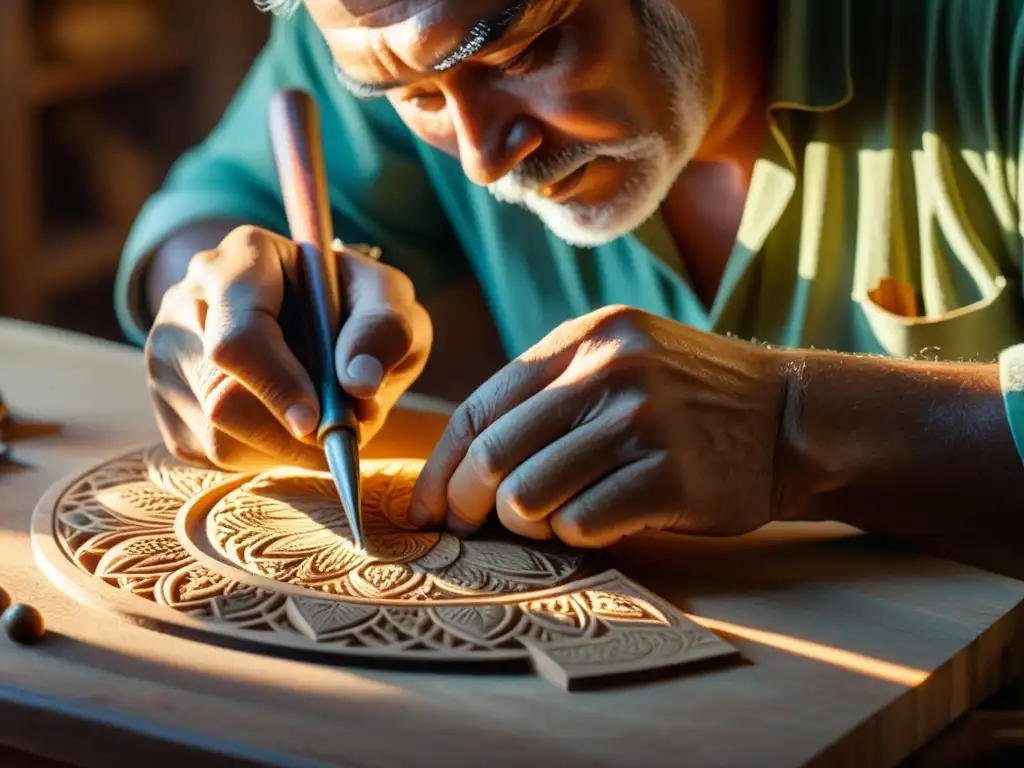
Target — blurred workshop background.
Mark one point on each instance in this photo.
(97, 99)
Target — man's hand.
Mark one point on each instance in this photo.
(227, 388)
(618, 421)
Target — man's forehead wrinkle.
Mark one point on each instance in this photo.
(372, 49)
(375, 14)
(366, 13)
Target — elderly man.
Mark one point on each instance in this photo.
(751, 260)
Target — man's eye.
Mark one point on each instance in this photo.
(426, 102)
(534, 55)
(518, 64)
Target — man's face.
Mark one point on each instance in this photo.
(583, 111)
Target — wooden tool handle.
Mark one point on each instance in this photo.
(298, 152)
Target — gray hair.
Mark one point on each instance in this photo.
(278, 7)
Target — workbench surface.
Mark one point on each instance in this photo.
(854, 652)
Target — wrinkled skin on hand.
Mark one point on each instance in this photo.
(618, 421)
(228, 388)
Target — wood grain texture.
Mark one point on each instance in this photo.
(856, 653)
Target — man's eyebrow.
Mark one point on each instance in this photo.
(484, 33)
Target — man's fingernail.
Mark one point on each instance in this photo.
(301, 419)
(458, 526)
(366, 371)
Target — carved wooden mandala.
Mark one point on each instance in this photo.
(267, 562)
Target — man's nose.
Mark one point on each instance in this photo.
(492, 141)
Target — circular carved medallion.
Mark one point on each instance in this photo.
(267, 561)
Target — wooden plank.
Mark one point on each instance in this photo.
(856, 653)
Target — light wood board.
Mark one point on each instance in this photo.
(856, 652)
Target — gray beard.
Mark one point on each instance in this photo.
(674, 52)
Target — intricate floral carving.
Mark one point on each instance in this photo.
(318, 619)
(421, 595)
(622, 647)
(291, 527)
(614, 606)
(175, 478)
(564, 614)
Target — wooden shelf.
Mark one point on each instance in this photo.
(68, 112)
(73, 257)
(56, 81)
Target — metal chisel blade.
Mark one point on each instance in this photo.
(340, 446)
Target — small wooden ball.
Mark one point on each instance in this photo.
(5, 601)
(23, 624)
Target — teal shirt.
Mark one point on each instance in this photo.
(894, 159)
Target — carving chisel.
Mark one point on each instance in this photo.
(298, 153)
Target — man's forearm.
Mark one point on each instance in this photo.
(170, 261)
(916, 450)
